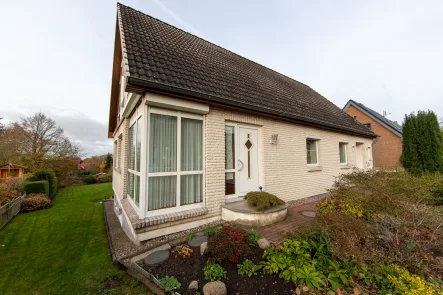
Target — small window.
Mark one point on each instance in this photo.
(312, 151)
(367, 125)
(342, 146)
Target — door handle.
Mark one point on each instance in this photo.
(240, 165)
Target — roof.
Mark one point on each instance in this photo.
(160, 56)
(391, 125)
(11, 165)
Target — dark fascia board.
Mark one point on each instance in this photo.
(205, 98)
(374, 118)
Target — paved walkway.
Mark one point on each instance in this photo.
(275, 233)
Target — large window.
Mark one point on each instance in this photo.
(175, 170)
(312, 151)
(342, 146)
(134, 154)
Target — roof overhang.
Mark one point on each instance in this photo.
(350, 102)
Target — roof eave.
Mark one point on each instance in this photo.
(140, 86)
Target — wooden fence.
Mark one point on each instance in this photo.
(9, 210)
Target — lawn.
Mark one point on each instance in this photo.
(62, 250)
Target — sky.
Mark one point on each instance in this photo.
(388, 55)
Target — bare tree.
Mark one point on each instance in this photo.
(12, 142)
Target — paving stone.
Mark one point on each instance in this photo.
(193, 285)
(308, 213)
(215, 288)
(156, 257)
(263, 243)
(203, 248)
(197, 241)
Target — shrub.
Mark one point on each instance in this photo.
(408, 284)
(213, 272)
(183, 251)
(190, 235)
(89, 179)
(14, 184)
(6, 194)
(262, 200)
(46, 175)
(169, 284)
(36, 202)
(104, 178)
(248, 268)
(229, 244)
(84, 173)
(438, 191)
(254, 236)
(210, 230)
(36, 187)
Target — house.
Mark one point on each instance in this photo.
(196, 127)
(388, 147)
(11, 170)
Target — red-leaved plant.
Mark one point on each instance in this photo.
(229, 244)
(36, 202)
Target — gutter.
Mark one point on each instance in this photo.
(239, 105)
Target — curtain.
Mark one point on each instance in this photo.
(162, 192)
(191, 189)
(139, 143)
(191, 145)
(163, 143)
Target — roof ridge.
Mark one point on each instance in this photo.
(213, 44)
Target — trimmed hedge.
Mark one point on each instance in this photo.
(45, 175)
(104, 178)
(36, 187)
(89, 179)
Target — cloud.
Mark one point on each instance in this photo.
(171, 13)
(89, 133)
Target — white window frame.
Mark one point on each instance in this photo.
(178, 173)
(346, 152)
(132, 122)
(317, 140)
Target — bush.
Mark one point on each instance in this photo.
(229, 244)
(262, 200)
(104, 178)
(36, 202)
(84, 173)
(6, 194)
(14, 184)
(183, 251)
(213, 272)
(46, 175)
(89, 179)
(248, 268)
(169, 284)
(210, 230)
(254, 236)
(438, 191)
(36, 187)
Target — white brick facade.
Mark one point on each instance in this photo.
(284, 171)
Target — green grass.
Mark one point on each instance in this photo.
(62, 250)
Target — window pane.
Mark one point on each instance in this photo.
(229, 147)
(162, 143)
(191, 189)
(130, 185)
(162, 192)
(229, 183)
(131, 147)
(311, 148)
(192, 145)
(139, 143)
(342, 148)
(137, 189)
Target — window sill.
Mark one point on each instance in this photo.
(314, 168)
(345, 166)
(169, 217)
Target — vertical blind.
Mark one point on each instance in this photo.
(163, 151)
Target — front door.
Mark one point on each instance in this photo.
(243, 149)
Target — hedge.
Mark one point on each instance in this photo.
(36, 187)
(89, 179)
(104, 178)
(45, 175)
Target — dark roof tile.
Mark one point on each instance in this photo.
(160, 53)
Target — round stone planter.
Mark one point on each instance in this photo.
(240, 212)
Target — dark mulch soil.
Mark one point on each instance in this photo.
(191, 269)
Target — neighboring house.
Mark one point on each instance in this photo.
(11, 170)
(388, 147)
(196, 126)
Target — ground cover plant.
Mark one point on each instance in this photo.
(262, 200)
(35, 202)
(63, 250)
